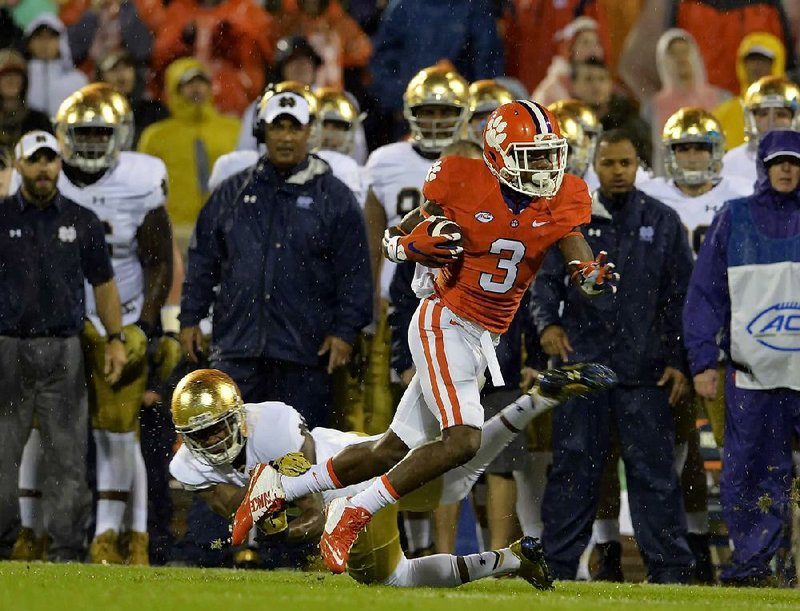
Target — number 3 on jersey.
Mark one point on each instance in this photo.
(511, 252)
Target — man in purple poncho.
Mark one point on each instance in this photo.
(745, 289)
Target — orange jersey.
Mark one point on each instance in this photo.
(502, 250)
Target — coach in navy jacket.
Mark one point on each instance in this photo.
(285, 242)
(637, 333)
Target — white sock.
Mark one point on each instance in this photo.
(138, 501)
(488, 564)
(441, 570)
(419, 531)
(531, 481)
(378, 495)
(583, 573)
(525, 409)
(318, 478)
(697, 522)
(30, 507)
(437, 571)
(606, 531)
(115, 465)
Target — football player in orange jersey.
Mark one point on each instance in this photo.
(487, 223)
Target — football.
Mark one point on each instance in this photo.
(440, 226)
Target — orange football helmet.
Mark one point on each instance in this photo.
(524, 149)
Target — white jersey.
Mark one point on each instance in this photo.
(696, 212)
(273, 430)
(396, 173)
(343, 167)
(121, 199)
(740, 163)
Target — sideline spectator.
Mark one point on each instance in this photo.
(683, 83)
(16, 118)
(759, 55)
(340, 42)
(530, 29)
(579, 41)
(462, 31)
(745, 286)
(106, 26)
(718, 28)
(233, 38)
(119, 70)
(592, 85)
(52, 75)
(189, 142)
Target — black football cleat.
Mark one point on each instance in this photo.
(532, 568)
(575, 380)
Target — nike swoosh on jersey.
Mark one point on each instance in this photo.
(539, 223)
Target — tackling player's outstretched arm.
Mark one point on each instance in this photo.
(593, 276)
(224, 499)
(155, 253)
(309, 524)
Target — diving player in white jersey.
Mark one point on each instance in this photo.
(769, 103)
(224, 440)
(128, 192)
(343, 166)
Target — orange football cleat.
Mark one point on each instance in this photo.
(344, 523)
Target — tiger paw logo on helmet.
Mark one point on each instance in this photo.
(494, 133)
(434, 171)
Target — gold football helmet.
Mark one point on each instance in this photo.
(484, 97)
(692, 125)
(208, 413)
(769, 92)
(92, 126)
(432, 89)
(579, 125)
(342, 118)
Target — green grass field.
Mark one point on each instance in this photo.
(97, 588)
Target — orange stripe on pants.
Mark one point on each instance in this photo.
(441, 358)
(426, 349)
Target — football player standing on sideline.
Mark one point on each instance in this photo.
(127, 191)
(745, 285)
(511, 207)
(636, 331)
(49, 246)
